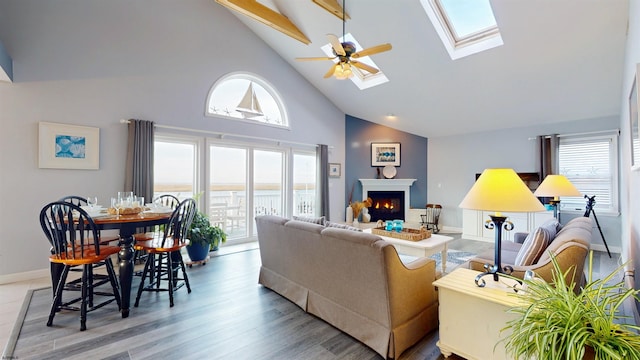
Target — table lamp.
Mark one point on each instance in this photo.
(556, 186)
(499, 190)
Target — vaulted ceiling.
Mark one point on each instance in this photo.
(561, 60)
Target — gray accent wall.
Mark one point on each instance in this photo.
(360, 134)
(453, 162)
(92, 63)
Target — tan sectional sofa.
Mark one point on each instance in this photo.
(352, 280)
(570, 247)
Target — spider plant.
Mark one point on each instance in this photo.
(557, 323)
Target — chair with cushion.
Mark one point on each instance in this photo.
(164, 259)
(75, 242)
(75, 284)
(166, 200)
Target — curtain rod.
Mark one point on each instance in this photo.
(601, 132)
(224, 135)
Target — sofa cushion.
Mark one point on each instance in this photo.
(315, 220)
(577, 230)
(533, 247)
(341, 226)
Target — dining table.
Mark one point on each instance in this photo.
(128, 225)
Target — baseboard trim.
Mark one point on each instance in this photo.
(601, 247)
(452, 229)
(23, 276)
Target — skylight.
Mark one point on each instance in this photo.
(363, 79)
(465, 27)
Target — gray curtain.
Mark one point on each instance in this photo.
(139, 164)
(323, 165)
(547, 155)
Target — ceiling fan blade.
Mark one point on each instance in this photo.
(336, 45)
(331, 71)
(365, 67)
(314, 58)
(372, 50)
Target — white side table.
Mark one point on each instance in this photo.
(471, 317)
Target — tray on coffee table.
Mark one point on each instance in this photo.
(404, 234)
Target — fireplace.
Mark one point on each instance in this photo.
(386, 205)
(386, 186)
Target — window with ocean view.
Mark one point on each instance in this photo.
(304, 184)
(228, 184)
(174, 167)
(236, 179)
(242, 180)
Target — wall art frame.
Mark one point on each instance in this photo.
(64, 146)
(633, 121)
(383, 154)
(335, 169)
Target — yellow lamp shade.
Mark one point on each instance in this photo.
(501, 190)
(556, 185)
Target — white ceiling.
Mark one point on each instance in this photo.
(561, 60)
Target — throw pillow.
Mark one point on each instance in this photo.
(533, 247)
(315, 220)
(341, 226)
(552, 227)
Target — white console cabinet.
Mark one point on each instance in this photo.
(473, 224)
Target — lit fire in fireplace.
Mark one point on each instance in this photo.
(385, 205)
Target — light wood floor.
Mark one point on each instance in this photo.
(227, 316)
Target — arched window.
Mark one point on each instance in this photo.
(246, 97)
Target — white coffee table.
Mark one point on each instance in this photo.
(427, 247)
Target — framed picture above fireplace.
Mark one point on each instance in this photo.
(383, 154)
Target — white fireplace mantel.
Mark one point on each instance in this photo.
(389, 185)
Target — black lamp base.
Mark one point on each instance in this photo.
(496, 223)
(555, 204)
(492, 270)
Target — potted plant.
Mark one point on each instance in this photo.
(557, 322)
(203, 237)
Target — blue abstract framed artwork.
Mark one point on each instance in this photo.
(383, 154)
(63, 146)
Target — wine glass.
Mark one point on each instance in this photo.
(115, 204)
(92, 201)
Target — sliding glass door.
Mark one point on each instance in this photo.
(227, 205)
(304, 184)
(268, 183)
(175, 167)
(241, 180)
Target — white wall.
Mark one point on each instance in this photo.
(453, 161)
(630, 189)
(93, 62)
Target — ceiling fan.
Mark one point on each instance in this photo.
(345, 53)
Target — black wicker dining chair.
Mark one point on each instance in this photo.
(164, 259)
(75, 242)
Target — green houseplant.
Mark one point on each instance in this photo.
(557, 323)
(203, 237)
